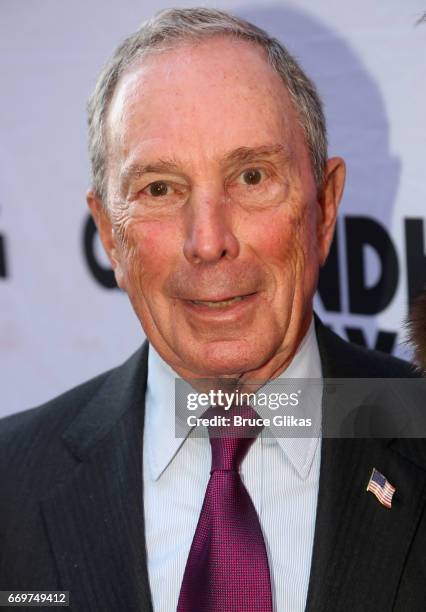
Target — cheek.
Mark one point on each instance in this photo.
(277, 238)
(149, 250)
(285, 243)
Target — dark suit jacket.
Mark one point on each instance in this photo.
(71, 507)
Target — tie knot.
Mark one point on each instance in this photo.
(231, 442)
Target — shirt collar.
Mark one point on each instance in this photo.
(160, 441)
(306, 364)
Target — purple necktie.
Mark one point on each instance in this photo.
(227, 568)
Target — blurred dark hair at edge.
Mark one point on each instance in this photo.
(417, 329)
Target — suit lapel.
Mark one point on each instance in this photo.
(94, 518)
(360, 546)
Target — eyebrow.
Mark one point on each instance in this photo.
(244, 155)
(136, 170)
(239, 156)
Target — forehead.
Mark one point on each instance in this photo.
(210, 97)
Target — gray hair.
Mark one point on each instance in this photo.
(172, 27)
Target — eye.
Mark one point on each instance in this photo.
(158, 189)
(252, 176)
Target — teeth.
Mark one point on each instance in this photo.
(217, 304)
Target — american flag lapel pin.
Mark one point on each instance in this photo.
(381, 487)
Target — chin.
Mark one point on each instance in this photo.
(227, 358)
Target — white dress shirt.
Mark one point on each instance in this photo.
(281, 475)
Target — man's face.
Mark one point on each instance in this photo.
(214, 228)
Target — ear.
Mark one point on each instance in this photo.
(329, 201)
(107, 235)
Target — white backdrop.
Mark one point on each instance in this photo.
(59, 324)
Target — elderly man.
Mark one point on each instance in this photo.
(216, 204)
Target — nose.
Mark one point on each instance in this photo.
(209, 235)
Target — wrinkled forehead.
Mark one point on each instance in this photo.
(210, 96)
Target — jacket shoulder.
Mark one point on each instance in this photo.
(343, 359)
(59, 410)
(38, 430)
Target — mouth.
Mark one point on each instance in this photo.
(219, 303)
(224, 303)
